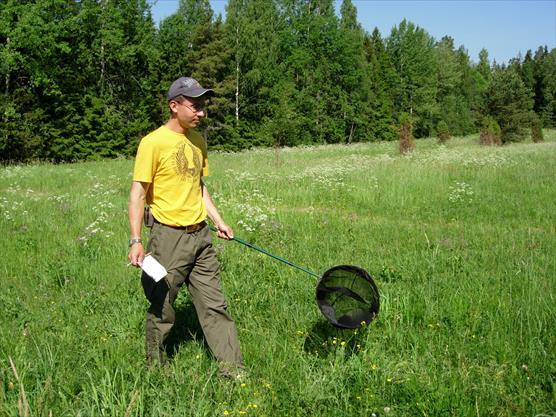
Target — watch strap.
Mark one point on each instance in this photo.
(135, 240)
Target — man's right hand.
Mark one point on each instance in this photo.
(136, 208)
(136, 254)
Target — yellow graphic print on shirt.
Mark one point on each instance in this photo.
(187, 167)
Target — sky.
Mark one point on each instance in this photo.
(504, 28)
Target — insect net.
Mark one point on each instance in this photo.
(347, 296)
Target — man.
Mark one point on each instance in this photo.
(168, 176)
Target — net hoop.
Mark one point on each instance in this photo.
(368, 306)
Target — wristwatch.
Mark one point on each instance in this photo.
(134, 241)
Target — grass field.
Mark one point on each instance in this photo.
(461, 240)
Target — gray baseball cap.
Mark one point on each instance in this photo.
(187, 87)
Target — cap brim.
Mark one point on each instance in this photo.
(198, 92)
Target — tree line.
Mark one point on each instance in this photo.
(87, 79)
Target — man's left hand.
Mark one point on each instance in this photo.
(223, 231)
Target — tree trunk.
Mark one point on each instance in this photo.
(102, 58)
(351, 133)
(7, 90)
(237, 94)
(102, 66)
(237, 77)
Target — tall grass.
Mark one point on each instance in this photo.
(459, 238)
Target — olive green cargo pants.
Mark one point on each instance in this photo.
(189, 258)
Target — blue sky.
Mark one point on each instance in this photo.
(504, 28)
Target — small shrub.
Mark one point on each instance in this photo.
(536, 129)
(407, 142)
(490, 132)
(442, 132)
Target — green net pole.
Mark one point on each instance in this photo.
(243, 242)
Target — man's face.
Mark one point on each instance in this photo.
(189, 112)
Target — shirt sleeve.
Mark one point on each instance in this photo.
(146, 162)
(205, 172)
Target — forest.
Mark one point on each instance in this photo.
(84, 80)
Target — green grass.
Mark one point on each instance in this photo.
(461, 240)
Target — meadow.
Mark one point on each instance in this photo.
(460, 239)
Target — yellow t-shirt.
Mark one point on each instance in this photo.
(173, 164)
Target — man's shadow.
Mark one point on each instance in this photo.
(186, 328)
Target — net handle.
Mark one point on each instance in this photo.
(243, 242)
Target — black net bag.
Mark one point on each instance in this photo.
(347, 296)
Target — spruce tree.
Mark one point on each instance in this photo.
(411, 52)
(354, 87)
(536, 129)
(528, 72)
(442, 132)
(255, 33)
(468, 96)
(348, 13)
(330, 94)
(510, 103)
(544, 67)
(484, 65)
(449, 73)
(381, 79)
(405, 132)
(490, 132)
(178, 37)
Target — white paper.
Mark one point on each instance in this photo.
(153, 268)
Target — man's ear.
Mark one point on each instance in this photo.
(173, 104)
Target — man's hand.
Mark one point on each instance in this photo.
(136, 254)
(223, 231)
